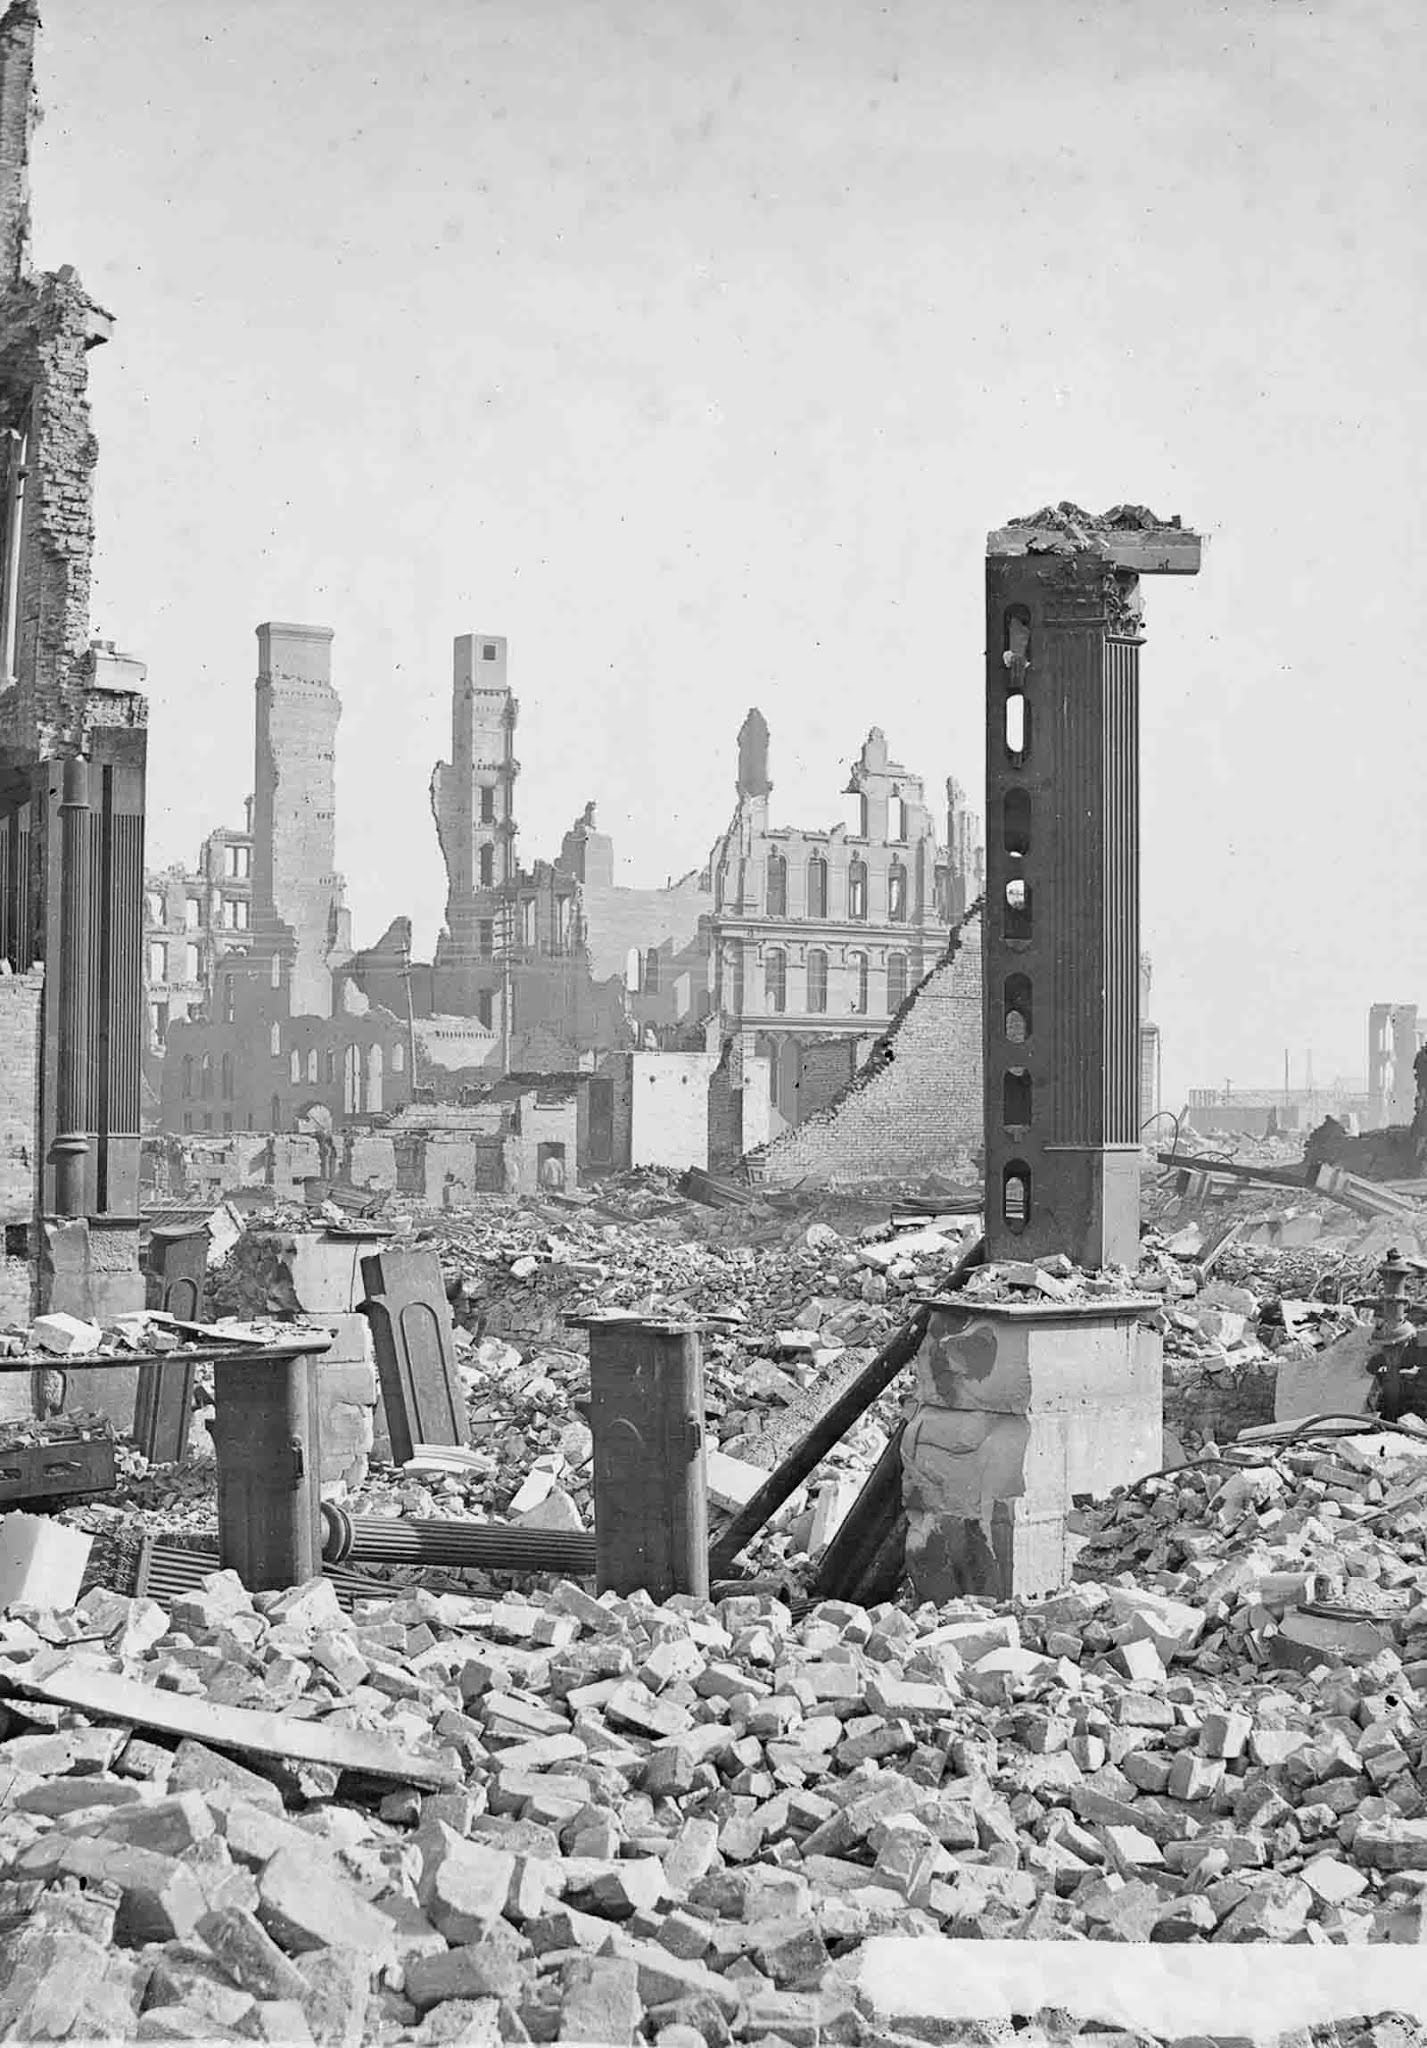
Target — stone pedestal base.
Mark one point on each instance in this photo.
(346, 1400)
(1017, 1410)
(91, 1270)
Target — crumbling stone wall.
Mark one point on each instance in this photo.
(915, 1104)
(47, 326)
(1202, 1406)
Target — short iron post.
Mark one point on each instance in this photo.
(647, 1421)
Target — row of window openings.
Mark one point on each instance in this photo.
(239, 868)
(318, 1068)
(489, 929)
(817, 896)
(234, 913)
(775, 982)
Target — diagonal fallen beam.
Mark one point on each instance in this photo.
(74, 1684)
(830, 1428)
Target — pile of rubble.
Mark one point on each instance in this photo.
(603, 1820)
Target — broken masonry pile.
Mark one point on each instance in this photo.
(599, 1819)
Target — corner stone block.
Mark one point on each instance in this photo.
(326, 1272)
(346, 1401)
(1015, 1412)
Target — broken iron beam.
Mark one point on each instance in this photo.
(830, 1428)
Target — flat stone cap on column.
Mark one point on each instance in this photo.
(286, 631)
(1130, 536)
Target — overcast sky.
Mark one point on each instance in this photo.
(695, 345)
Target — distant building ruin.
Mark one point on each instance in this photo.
(795, 945)
(272, 1037)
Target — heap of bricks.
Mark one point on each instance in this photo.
(681, 1824)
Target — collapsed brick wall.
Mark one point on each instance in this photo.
(825, 1068)
(1200, 1405)
(915, 1104)
(19, 1111)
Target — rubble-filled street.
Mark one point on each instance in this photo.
(513, 1810)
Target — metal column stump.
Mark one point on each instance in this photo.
(647, 1421)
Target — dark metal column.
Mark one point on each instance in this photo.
(1061, 1020)
(67, 996)
(267, 1441)
(647, 1420)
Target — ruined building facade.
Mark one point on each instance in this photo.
(817, 938)
(72, 772)
(192, 918)
(1395, 1037)
(764, 975)
(789, 949)
(277, 1039)
(473, 801)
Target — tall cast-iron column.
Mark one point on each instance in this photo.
(1061, 1025)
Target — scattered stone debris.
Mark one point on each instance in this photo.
(537, 1815)
(696, 1815)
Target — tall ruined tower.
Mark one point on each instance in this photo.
(1061, 1031)
(299, 916)
(473, 800)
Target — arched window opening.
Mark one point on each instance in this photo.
(1016, 1098)
(896, 893)
(329, 1068)
(1018, 910)
(205, 1083)
(275, 1114)
(634, 970)
(817, 981)
(275, 1041)
(777, 885)
(651, 972)
(487, 867)
(294, 1067)
(352, 1080)
(775, 980)
(226, 1077)
(188, 1074)
(817, 886)
(312, 1064)
(859, 984)
(1016, 821)
(1017, 999)
(896, 818)
(857, 890)
(1016, 1195)
(398, 1058)
(1018, 729)
(896, 981)
(375, 1076)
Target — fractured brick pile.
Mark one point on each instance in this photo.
(692, 1817)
